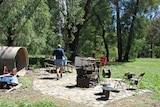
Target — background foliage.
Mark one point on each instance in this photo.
(83, 27)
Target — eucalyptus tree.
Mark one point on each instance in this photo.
(10, 16)
(24, 23)
(86, 21)
(102, 21)
(133, 17)
(131, 23)
(65, 15)
(156, 31)
(77, 11)
(153, 37)
(126, 11)
(36, 28)
(118, 29)
(138, 21)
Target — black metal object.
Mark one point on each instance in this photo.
(80, 72)
(87, 77)
(106, 73)
(107, 90)
(129, 75)
(83, 82)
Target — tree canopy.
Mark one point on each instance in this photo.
(117, 29)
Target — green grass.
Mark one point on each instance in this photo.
(26, 81)
(19, 103)
(151, 67)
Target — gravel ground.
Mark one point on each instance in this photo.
(66, 89)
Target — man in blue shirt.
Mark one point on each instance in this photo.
(59, 54)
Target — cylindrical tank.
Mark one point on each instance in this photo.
(13, 57)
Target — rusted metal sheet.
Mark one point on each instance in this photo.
(13, 57)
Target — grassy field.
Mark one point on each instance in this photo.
(151, 67)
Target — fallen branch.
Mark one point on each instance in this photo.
(14, 88)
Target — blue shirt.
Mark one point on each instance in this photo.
(59, 53)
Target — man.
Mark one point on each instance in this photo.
(59, 54)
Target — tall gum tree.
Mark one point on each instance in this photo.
(73, 45)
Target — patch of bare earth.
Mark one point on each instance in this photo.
(26, 93)
(142, 100)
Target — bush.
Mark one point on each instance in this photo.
(36, 61)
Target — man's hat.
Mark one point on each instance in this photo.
(59, 45)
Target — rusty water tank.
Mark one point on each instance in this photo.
(13, 57)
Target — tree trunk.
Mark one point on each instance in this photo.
(131, 33)
(151, 49)
(1, 1)
(119, 38)
(103, 35)
(105, 44)
(74, 44)
(10, 38)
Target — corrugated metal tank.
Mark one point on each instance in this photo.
(13, 57)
